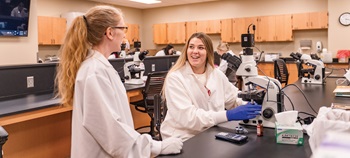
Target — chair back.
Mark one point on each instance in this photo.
(153, 86)
(160, 110)
(281, 71)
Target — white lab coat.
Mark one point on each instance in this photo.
(191, 109)
(102, 124)
(162, 53)
(223, 63)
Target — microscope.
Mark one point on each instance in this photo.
(133, 70)
(313, 75)
(122, 52)
(260, 89)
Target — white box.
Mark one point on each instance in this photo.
(271, 56)
(289, 134)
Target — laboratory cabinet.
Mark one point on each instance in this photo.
(274, 28)
(169, 33)
(51, 30)
(267, 69)
(226, 28)
(232, 29)
(312, 20)
(176, 33)
(209, 26)
(160, 33)
(191, 27)
(240, 26)
(133, 33)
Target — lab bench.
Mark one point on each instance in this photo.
(205, 145)
(38, 126)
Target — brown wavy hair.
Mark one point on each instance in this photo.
(84, 32)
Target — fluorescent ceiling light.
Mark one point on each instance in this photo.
(147, 1)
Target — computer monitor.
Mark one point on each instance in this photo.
(14, 17)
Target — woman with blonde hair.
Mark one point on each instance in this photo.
(197, 94)
(102, 124)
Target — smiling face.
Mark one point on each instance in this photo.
(197, 55)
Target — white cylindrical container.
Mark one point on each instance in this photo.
(70, 16)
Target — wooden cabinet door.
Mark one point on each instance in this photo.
(300, 21)
(238, 28)
(59, 30)
(266, 69)
(274, 28)
(214, 27)
(293, 72)
(283, 28)
(176, 33)
(202, 26)
(266, 29)
(318, 20)
(133, 33)
(160, 33)
(51, 30)
(226, 30)
(314, 20)
(191, 27)
(209, 26)
(44, 30)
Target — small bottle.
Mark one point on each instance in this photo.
(259, 128)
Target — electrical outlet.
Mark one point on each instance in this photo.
(153, 67)
(30, 81)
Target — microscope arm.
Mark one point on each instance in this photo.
(263, 81)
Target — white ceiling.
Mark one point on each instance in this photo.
(164, 3)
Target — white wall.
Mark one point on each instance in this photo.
(338, 35)
(21, 50)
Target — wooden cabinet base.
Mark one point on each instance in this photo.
(48, 136)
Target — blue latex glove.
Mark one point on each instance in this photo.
(244, 112)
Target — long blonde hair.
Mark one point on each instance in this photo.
(85, 31)
(181, 61)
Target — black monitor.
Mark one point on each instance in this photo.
(14, 17)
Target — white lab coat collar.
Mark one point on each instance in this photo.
(188, 68)
(97, 55)
(210, 80)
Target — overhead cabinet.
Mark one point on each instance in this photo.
(209, 26)
(176, 33)
(226, 29)
(133, 33)
(169, 33)
(191, 27)
(232, 29)
(313, 20)
(275, 28)
(268, 28)
(51, 30)
(160, 34)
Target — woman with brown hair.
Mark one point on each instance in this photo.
(197, 93)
